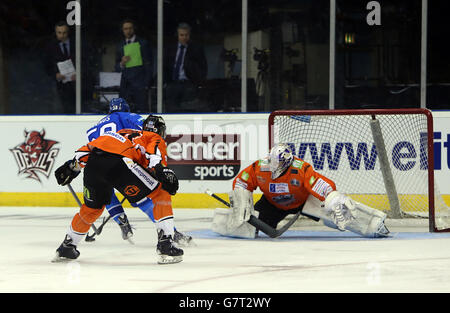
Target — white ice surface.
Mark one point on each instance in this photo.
(308, 259)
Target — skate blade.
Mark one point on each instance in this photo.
(167, 259)
(129, 239)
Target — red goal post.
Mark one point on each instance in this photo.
(380, 157)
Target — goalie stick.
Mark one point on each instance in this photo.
(256, 222)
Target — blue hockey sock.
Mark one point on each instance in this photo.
(115, 208)
(146, 206)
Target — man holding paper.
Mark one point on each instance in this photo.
(133, 60)
(60, 65)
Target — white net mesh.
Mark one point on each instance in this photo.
(345, 148)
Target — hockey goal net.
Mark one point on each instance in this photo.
(382, 158)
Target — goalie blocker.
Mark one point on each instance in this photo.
(337, 211)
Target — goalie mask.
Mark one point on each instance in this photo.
(156, 124)
(118, 105)
(280, 159)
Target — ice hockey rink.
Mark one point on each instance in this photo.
(306, 259)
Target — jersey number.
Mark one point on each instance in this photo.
(105, 128)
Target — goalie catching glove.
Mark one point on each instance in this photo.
(167, 178)
(67, 172)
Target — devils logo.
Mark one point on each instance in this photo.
(35, 155)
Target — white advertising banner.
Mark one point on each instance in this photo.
(205, 150)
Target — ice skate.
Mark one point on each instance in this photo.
(66, 251)
(167, 252)
(126, 229)
(182, 240)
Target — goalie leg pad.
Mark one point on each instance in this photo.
(368, 222)
(365, 221)
(241, 201)
(221, 221)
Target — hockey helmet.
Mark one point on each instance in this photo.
(118, 105)
(156, 124)
(280, 159)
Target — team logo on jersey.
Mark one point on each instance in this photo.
(132, 190)
(278, 187)
(35, 155)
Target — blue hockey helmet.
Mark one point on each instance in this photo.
(118, 105)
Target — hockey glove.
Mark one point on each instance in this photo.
(67, 172)
(167, 178)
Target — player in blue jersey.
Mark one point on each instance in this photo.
(120, 117)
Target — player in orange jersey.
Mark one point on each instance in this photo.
(121, 161)
(289, 185)
(159, 206)
(286, 182)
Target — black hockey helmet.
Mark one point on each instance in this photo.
(156, 124)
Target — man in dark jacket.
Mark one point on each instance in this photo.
(60, 50)
(185, 70)
(133, 60)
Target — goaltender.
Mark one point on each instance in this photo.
(289, 185)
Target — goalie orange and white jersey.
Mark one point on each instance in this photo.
(288, 191)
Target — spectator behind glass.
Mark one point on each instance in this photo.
(136, 73)
(60, 50)
(185, 70)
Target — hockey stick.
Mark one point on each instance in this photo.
(99, 230)
(256, 222)
(80, 204)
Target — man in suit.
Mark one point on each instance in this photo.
(185, 70)
(135, 80)
(58, 51)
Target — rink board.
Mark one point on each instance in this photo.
(206, 150)
(183, 200)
